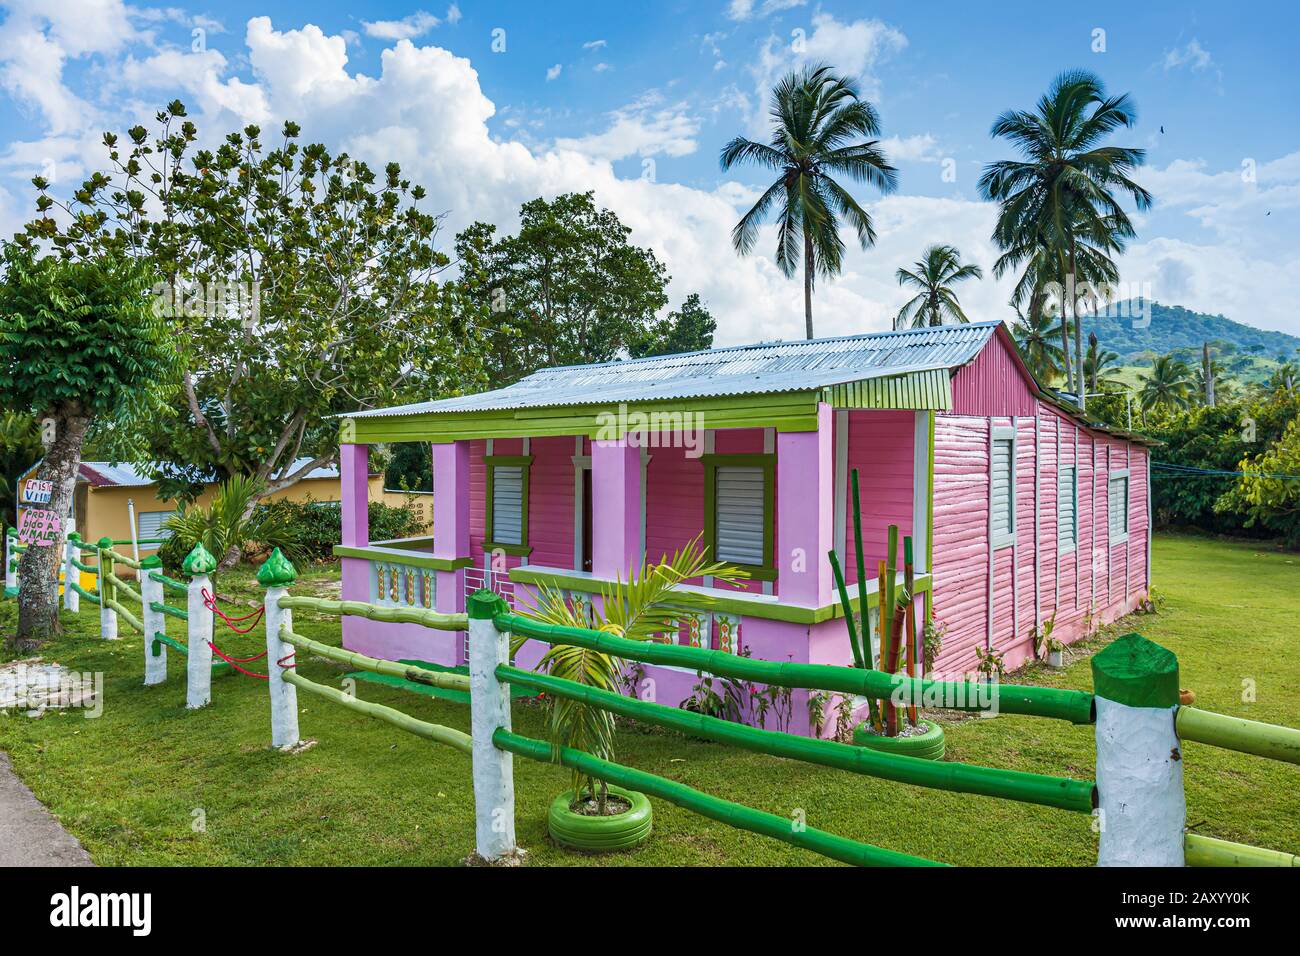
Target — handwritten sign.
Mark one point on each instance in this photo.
(37, 492)
(39, 527)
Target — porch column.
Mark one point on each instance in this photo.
(615, 508)
(354, 484)
(805, 496)
(450, 521)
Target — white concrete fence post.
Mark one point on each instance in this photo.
(198, 661)
(71, 553)
(494, 779)
(107, 616)
(11, 559)
(276, 574)
(1142, 808)
(155, 622)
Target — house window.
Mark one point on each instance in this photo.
(507, 503)
(1117, 502)
(1003, 487)
(739, 509)
(151, 524)
(1067, 508)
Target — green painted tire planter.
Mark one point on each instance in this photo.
(929, 745)
(622, 831)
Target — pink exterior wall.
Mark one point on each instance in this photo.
(550, 502)
(880, 447)
(992, 383)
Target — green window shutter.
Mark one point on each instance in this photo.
(1117, 501)
(740, 515)
(508, 504)
(1002, 475)
(1067, 508)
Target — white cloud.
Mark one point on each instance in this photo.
(453, 14)
(744, 9)
(554, 71)
(415, 25)
(595, 44)
(1193, 55)
(922, 147)
(601, 67)
(643, 128)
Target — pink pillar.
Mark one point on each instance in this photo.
(354, 482)
(450, 521)
(805, 506)
(615, 508)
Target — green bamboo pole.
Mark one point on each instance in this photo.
(909, 624)
(123, 559)
(848, 610)
(707, 805)
(120, 585)
(161, 638)
(1059, 703)
(1207, 851)
(169, 610)
(125, 614)
(1060, 792)
(417, 675)
(873, 708)
(373, 612)
(169, 582)
(1237, 733)
(456, 739)
(88, 595)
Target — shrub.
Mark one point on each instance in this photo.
(318, 525)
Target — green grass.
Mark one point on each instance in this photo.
(132, 783)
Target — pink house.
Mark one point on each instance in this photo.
(1020, 510)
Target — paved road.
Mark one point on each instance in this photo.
(29, 834)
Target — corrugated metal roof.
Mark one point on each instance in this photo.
(124, 474)
(767, 368)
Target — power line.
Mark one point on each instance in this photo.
(1187, 471)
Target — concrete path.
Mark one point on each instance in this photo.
(29, 834)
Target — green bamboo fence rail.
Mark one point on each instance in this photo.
(1072, 705)
(1207, 851)
(418, 675)
(149, 541)
(121, 585)
(456, 739)
(88, 568)
(122, 559)
(88, 595)
(1237, 733)
(159, 638)
(124, 614)
(374, 612)
(1061, 792)
(167, 582)
(170, 611)
(706, 805)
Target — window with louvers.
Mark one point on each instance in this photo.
(150, 524)
(507, 504)
(1067, 508)
(1004, 517)
(741, 521)
(1117, 499)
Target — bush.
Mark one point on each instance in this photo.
(318, 525)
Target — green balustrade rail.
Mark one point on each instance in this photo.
(1206, 851)
(1062, 792)
(418, 675)
(88, 595)
(124, 614)
(88, 568)
(116, 558)
(1073, 705)
(707, 805)
(375, 612)
(169, 610)
(159, 638)
(1237, 733)
(167, 582)
(456, 739)
(121, 585)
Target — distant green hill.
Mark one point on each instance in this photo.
(1172, 327)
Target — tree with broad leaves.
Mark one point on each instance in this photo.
(298, 284)
(567, 289)
(689, 329)
(80, 344)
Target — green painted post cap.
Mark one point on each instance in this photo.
(73, 536)
(1137, 672)
(276, 571)
(11, 530)
(105, 542)
(151, 561)
(485, 605)
(199, 561)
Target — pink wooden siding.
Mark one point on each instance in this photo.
(1096, 582)
(674, 501)
(880, 447)
(992, 384)
(550, 502)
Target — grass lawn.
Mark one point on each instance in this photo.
(149, 783)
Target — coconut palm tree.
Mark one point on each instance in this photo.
(1033, 332)
(934, 275)
(1060, 197)
(1099, 366)
(818, 125)
(1167, 385)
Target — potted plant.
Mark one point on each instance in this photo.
(593, 815)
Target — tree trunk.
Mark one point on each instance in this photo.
(38, 569)
(1207, 373)
(807, 281)
(1078, 332)
(1065, 340)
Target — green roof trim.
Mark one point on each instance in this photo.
(1136, 672)
(929, 390)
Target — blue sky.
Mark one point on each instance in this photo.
(635, 100)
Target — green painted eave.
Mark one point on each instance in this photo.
(392, 556)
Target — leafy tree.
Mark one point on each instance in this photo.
(1059, 199)
(690, 329)
(411, 467)
(1033, 332)
(300, 284)
(233, 523)
(20, 447)
(934, 275)
(1168, 384)
(568, 289)
(1099, 367)
(1268, 492)
(79, 343)
(818, 122)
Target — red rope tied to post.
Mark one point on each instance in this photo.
(282, 660)
(210, 602)
(235, 662)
